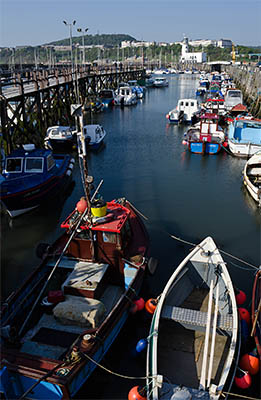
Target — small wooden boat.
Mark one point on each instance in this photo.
(193, 342)
(256, 311)
(61, 322)
(252, 177)
(32, 177)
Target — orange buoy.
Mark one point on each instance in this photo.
(243, 379)
(139, 303)
(250, 363)
(244, 314)
(151, 305)
(240, 297)
(81, 205)
(137, 393)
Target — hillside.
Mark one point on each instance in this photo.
(104, 39)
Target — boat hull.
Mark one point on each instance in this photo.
(243, 149)
(24, 200)
(204, 148)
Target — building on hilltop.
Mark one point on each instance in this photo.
(224, 43)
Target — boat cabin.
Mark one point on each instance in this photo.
(208, 126)
(189, 106)
(28, 160)
(233, 97)
(60, 132)
(107, 239)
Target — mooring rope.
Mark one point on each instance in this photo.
(190, 243)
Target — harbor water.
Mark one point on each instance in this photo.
(185, 197)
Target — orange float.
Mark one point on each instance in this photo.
(151, 305)
(250, 363)
(137, 393)
(243, 379)
(81, 205)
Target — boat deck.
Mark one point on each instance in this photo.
(183, 346)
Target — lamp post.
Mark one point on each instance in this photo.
(70, 28)
(83, 47)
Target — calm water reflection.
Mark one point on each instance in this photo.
(183, 194)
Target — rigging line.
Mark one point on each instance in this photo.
(112, 372)
(239, 396)
(193, 244)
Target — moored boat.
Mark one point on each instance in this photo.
(63, 319)
(194, 341)
(106, 97)
(32, 177)
(206, 137)
(125, 96)
(160, 82)
(94, 135)
(252, 176)
(60, 137)
(244, 136)
(184, 111)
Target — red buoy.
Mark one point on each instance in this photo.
(81, 205)
(244, 314)
(137, 393)
(139, 303)
(133, 309)
(250, 363)
(243, 379)
(240, 297)
(151, 305)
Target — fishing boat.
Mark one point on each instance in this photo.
(106, 97)
(125, 96)
(184, 111)
(61, 322)
(94, 135)
(193, 344)
(256, 311)
(244, 136)
(252, 177)
(60, 137)
(32, 177)
(206, 137)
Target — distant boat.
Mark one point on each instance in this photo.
(32, 177)
(194, 340)
(206, 137)
(252, 177)
(184, 111)
(160, 82)
(244, 136)
(60, 137)
(125, 96)
(106, 96)
(94, 135)
(232, 98)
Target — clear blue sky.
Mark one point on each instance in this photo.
(35, 22)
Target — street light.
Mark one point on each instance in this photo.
(70, 28)
(83, 50)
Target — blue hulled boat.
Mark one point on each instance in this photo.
(31, 177)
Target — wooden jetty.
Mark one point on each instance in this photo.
(29, 105)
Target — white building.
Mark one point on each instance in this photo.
(202, 42)
(128, 43)
(224, 43)
(186, 56)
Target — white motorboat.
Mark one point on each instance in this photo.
(184, 111)
(252, 177)
(232, 98)
(93, 134)
(60, 137)
(125, 96)
(160, 82)
(244, 136)
(194, 340)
